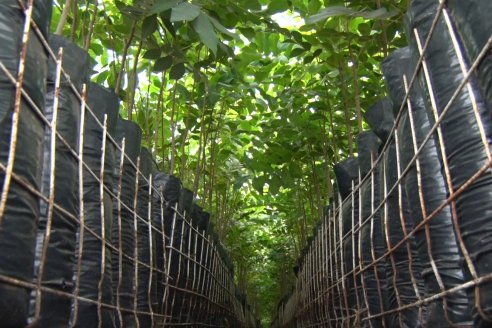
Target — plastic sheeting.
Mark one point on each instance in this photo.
(144, 239)
(379, 117)
(190, 268)
(123, 226)
(41, 13)
(404, 282)
(466, 147)
(426, 190)
(368, 144)
(195, 274)
(404, 270)
(371, 239)
(202, 252)
(175, 298)
(95, 271)
(474, 26)
(347, 174)
(60, 254)
(18, 229)
(164, 202)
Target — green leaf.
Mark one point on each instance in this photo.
(131, 12)
(149, 25)
(177, 71)
(334, 73)
(297, 36)
(152, 54)
(183, 91)
(308, 59)
(365, 29)
(185, 12)
(163, 64)
(204, 28)
(253, 5)
(329, 12)
(222, 29)
(97, 48)
(295, 170)
(163, 5)
(240, 181)
(277, 6)
(381, 13)
(314, 6)
(318, 116)
(259, 183)
(249, 33)
(274, 184)
(297, 51)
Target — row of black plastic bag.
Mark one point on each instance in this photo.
(416, 218)
(92, 234)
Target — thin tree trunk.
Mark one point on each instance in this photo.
(204, 159)
(327, 160)
(384, 30)
(213, 165)
(173, 130)
(111, 41)
(304, 219)
(84, 30)
(184, 137)
(63, 17)
(91, 27)
(317, 184)
(196, 178)
(75, 23)
(211, 181)
(347, 112)
(203, 144)
(123, 59)
(355, 74)
(355, 70)
(131, 102)
(310, 198)
(158, 114)
(333, 136)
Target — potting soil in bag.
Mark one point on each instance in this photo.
(19, 220)
(178, 246)
(474, 26)
(164, 203)
(60, 251)
(404, 271)
(380, 118)
(144, 239)
(95, 278)
(41, 14)
(426, 190)
(404, 282)
(193, 268)
(123, 237)
(465, 146)
(347, 174)
(201, 254)
(373, 279)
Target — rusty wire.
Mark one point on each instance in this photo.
(209, 288)
(321, 288)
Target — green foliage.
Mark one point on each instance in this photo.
(250, 114)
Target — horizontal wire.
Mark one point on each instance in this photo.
(221, 274)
